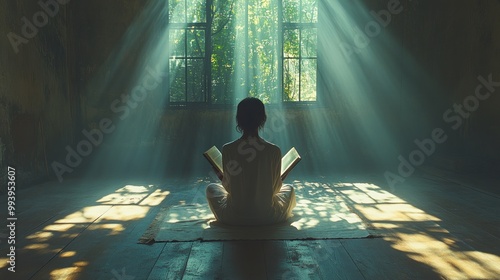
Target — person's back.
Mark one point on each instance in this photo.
(251, 191)
(252, 178)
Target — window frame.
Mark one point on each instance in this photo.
(207, 67)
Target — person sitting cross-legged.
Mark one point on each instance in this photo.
(252, 192)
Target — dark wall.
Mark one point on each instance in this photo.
(427, 58)
(38, 110)
(455, 44)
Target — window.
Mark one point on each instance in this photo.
(187, 42)
(299, 50)
(221, 51)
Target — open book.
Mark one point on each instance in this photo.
(288, 161)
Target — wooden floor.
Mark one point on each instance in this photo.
(430, 227)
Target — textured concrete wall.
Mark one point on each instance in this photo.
(442, 48)
(456, 42)
(35, 102)
(436, 51)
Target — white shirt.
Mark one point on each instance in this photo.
(252, 178)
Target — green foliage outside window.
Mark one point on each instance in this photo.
(261, 48)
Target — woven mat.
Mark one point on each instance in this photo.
(321, 213)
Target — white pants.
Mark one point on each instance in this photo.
(217, 200)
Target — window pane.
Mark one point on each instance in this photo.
(177, 80)
(291, 80)
(196, 81)
(196, 11)
(221, 92)
(291, 43)
(308, 80)
(309, 11)
(196, 43)
(223, 15)
(223, 50)
(177, 43)
(240, 53)
(176, 11)
(263, 49)
(309, 42)
(291, 10)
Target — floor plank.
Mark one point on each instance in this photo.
(301, 262)
(172, 261)
(243, 260)
(276, 258)
(94, 249)
(376, 259)
(205, 261)
(432, 229)
(334, 261)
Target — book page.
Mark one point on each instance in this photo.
(214, 156)
(292, 157)
(289, 160)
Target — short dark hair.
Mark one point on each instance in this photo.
(250, 115)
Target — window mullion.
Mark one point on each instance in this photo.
(300, 63)
(247, 50)
(281, 54)
(168, 52)
(208, 51)
(185, 66)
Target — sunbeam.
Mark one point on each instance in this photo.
(131, 132)
(362, 67)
